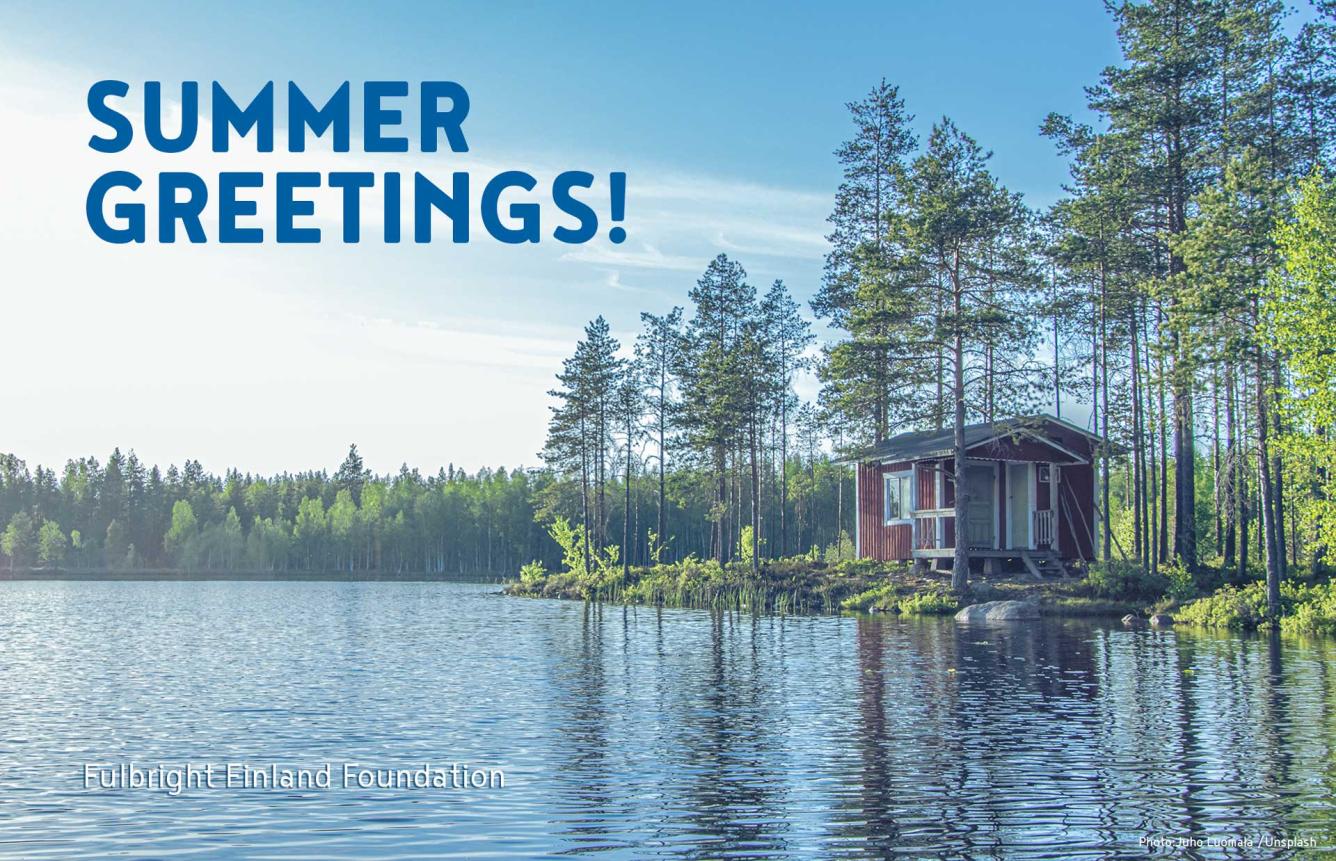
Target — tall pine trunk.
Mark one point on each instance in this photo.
(1270, 545)
(960, 569)
(1230, 490)
(1107, 530)
(626, 506)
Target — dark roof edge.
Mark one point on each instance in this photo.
(1016, 423)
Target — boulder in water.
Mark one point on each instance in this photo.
(1161, 620)
(999, 611)
(1131, 620)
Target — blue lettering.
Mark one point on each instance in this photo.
(566, 202)
(97, 106)
(188, 210)
(259, 115)
(132, 213)
(229, 208)
(374, 117)
(289, 207)
(527, 212)
(302, 115)
(153, 117)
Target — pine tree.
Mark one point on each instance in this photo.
(352, 474)
(970, 233)
(711, 371)
(658, 349)
(788, 336)
(863, 289)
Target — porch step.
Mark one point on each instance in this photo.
(1043, 564)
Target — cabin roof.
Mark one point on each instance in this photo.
(920, 445)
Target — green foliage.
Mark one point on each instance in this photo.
(607, 567)
(656, 547)
(745, 553)
(1125, 580)
(1304, 608)
(1299, 321)
(117, 551)
(182, 531)
(882, 596)
(571, 541)
(791, 585)
(593, 573)
(51, 543)
(1235, 607)
(1182, 586)
(934, 602)
(1077, 606)
(355, 521)
(533, 574)
(886, 596)
(19, 538)
(840, 550)
(1314, 611)
(479, 522)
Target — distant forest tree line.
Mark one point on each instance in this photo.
(123, 515)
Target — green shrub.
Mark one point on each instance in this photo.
(600, 571)
(931, 603)
(882, 596)
(571, 541)
(1315, 613)
(746, 536)
(1182, 586)
(1303, 609)
(840, 550)
(1124, 580)
(533, 574)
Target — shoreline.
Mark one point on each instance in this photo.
(799, 587)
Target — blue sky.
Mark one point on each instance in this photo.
(724, 116)
(746, 89)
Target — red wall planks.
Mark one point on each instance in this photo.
(879, 541)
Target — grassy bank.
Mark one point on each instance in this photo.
(802, 585)
(784, 586)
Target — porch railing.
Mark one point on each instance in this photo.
(930, 527)
(1043, 528)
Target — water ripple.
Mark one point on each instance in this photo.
(644, 733)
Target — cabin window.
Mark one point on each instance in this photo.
(898, 496)
(1043, 473)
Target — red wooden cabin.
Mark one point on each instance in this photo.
(1031, 499)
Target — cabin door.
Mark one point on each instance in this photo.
(1019, 489)
(980, 505)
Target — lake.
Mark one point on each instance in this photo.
(644, 733)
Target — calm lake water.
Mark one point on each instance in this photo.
(638, 733)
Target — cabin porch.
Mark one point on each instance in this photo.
(1011, 517)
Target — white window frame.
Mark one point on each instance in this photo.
(906, 501)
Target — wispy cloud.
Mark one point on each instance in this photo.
(647, 257)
